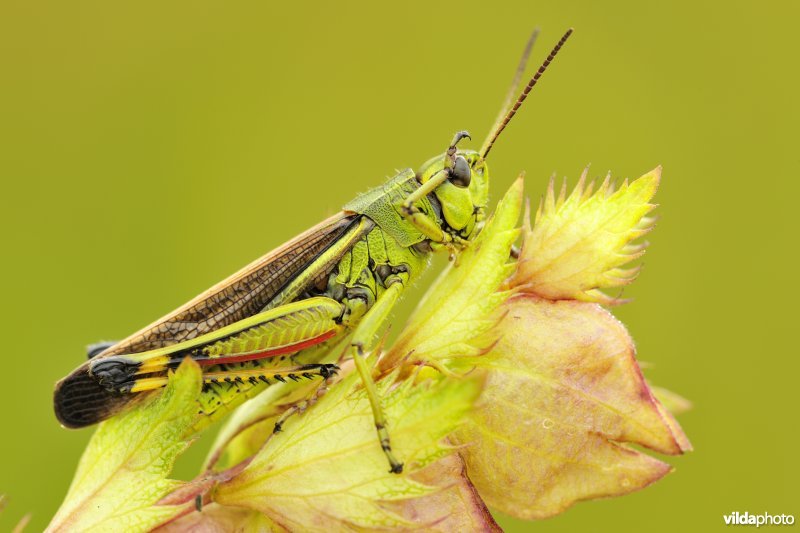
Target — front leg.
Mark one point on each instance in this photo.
(424, 223)
(439, 238)
(438, 178)
(363, 339)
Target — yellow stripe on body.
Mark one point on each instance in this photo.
(321, 309)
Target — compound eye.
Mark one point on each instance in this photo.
(460, 174)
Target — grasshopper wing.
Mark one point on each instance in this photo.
(79, 400)
(241, 295)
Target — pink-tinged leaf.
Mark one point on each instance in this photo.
(672, 402)
(564, 393)
(216, 518)
(456, 507)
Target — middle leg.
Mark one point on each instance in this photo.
(361, 344)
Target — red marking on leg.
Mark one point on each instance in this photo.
(292, 348)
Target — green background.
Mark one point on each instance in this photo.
(148, 150)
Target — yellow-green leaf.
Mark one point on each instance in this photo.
(327, 466)
(580, 243)
(672, 401)
(123, 471)
(455, 311)
(563, 395)
(246, 430)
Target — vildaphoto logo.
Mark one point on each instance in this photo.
(764, 519)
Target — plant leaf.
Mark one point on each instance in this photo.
(123, 471)
(457, 507)
(563, 393)
(246, 430)
(219, 519)
(672, 401)
(327, 466)
(249, 426)
(579, 244)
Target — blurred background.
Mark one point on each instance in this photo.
(149, 149)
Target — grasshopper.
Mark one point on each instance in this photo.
(342, 277)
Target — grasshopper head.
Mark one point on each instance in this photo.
(464, 194)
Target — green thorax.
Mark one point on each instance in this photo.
(382, 205)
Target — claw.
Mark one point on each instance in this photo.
(463, 134)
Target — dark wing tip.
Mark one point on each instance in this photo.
(80, 401)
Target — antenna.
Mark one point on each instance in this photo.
(512, 90)
(500, 125)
